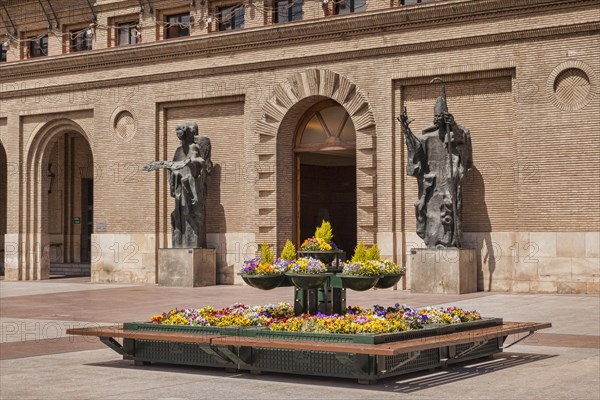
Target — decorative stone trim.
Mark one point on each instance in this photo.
(459, 73)
(124, 123)
(56, 110)
(317, 82)
(566, 97)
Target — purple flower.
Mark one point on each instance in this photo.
(250, 265)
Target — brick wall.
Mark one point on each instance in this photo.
(223, 124)
(3, 194)
(534, 130)
(485, 106)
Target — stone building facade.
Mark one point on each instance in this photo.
(301, 115)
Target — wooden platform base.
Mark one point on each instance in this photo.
(364, 362)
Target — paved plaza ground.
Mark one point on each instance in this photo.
(39, 361)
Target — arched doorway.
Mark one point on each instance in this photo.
(325, 170)
(3, 203)
(276, 185)
(57, 220)
(68, 171)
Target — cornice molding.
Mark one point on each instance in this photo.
(504, 68)
(56, 110)
(376, 22)
(312, 60)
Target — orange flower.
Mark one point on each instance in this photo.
(157, 318)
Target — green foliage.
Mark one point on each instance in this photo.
(266, 254)
(289, 251)
(324, 232)
(360, 253)
(373, 253)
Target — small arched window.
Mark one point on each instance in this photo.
(326, 127)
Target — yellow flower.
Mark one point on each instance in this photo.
(323, 245)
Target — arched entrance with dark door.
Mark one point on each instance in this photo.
(325, 171)
(70, 193)
(58, 203)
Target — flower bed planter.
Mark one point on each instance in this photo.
(361, 338)
(365, 362)
(364, 338)
(252, 345)
(366, 368)
(369, 338)
(357, 282)
(388, 280)
(309, 281)
(263, 282)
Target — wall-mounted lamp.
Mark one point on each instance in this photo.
(9, 38)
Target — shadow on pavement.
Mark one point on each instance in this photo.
(408, 383)
(458, 372)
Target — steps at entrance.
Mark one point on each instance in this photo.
(71, 269)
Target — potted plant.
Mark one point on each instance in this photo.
(321, 245)
(308, 273)
(264, 272)
(362, 272)
(392, 273)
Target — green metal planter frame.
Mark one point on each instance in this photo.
(366, 368)
(246, 349)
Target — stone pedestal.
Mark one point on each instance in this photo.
(443, 271)
(187, 267)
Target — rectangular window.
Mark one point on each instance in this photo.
(177, 25)
(38, 46)
(287, 10)
(231, 17)
(127, 33)
(3, 52)
(81, 40)
(350, 6)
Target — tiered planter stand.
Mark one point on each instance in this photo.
(327, 298)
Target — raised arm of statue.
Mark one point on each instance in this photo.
(412, 142)
(415, 156)
(171, 165)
